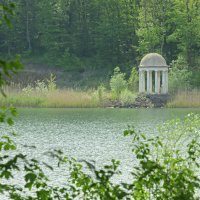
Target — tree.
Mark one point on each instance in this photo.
(117, 83)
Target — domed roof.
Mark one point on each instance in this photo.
(153, 60)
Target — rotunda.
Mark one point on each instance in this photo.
(153, 74)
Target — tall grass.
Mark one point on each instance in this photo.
(185, 99)
(44, 93)
(71, 98)
(53, 99)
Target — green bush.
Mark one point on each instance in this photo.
(179, 75)
(196, 78)
(169, 163)
(51, 83)
(42, 87)
(69, 61)
(117, 83)
(133, 81)
(101, 90)
(127, 97)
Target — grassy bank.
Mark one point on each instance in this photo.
(70, 98)
(53, 99)
(185, 99)
(44, 93)
(65, 98)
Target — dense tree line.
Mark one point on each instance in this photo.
(105, 33)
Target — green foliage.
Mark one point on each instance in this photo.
(117, 83)
(51, 83)
(69, 61)
(42, 87)
(180, 132)
(8, 68)
(28, 90)
(119, 86)
(101, 91)
(6, 9)
(195, 82)
(168, 163)
(133, 81)
(170, 28)
(127, 97)
(179, 75)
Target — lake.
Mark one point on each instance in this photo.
(95, 135)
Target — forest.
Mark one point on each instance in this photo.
(84, 35)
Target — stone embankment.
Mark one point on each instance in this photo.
(151, 100)
(146, 101)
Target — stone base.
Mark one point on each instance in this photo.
(159, 100)
(143, 101)
(151, 100)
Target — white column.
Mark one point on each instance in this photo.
(163, 82)
(156, 82)
(142, 81)
(166, 76)
(148, 81)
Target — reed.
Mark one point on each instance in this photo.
(185, 99)
(20, 100)
(71, 98)
(46, 95)
(53, 99)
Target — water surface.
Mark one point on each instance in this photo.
(90, 134)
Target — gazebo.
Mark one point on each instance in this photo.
(153, 69)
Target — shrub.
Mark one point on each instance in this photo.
(127, 97)
(179, 75)
(101, 90)
(117, 83)
(69, 61)
(168, 163)
(51, 83)
(28, 90)
(133, 81)
(42, 87)
(101, 93)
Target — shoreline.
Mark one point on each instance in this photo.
(68, 98)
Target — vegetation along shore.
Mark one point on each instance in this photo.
(120, 93)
